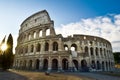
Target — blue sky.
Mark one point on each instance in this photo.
(63, 12)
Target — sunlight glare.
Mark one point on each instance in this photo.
(3, 47)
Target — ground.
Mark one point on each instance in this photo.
(28, 75)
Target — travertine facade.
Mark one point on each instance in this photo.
(40, 48)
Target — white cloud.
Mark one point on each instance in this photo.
(107, 27)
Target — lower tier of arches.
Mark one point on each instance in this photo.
(64, 64)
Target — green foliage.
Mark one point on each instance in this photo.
(117, 57)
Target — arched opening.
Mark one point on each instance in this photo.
(47, 32)
(75, 64)
(65, 64)
(46, 46)
(84, 67)
(55, 64)
(38, 47)
(86, 51)
(91, 51)
(32, 48)
(37, 64)
(93, 65)
(55, 46)
(29, 36)
(101, 52)
(66, 47)
(34, 35)
(73, 47)
(103, 66)
(45, 64)
(98, 65)
(96, 51)
(30, 64)
(40, 33)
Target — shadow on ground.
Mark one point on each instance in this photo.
(8, 75)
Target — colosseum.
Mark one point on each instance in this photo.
(40, 48)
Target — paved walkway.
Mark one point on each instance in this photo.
(11, 76)
(96, 76)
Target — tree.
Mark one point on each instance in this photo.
(117, 57)
(1, 52)
(7, 56)
(9, 51)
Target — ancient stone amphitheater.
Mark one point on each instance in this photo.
(40, 48)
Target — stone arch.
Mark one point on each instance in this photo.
(96, 51)
(37, 64)
(106, 66)
(93, 65)
(54, 64)
(86, 50)
(38, 47)
(46, 46)
(55, 46)
(34, 34)
(91, 51)
(103, 66)
(45, 64)
(65, 47)
(74, 47)
(75, 64)
(29, 36)
(84, 65)
(40, 33)
(65, 64)
(47, 32)
(32, 48)
(101, 52)
(98, 65)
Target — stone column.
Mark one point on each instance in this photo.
(37, 34)
(59, 64)
(89, 52)
(99, 53)
(70, 63)
(42, 46)
(52, 31)
(60, 45)
(44, 33)
(94, 53)
(51, 45)
(33, 64)
(49, 64)
(41, 64)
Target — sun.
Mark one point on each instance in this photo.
(3, 47)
